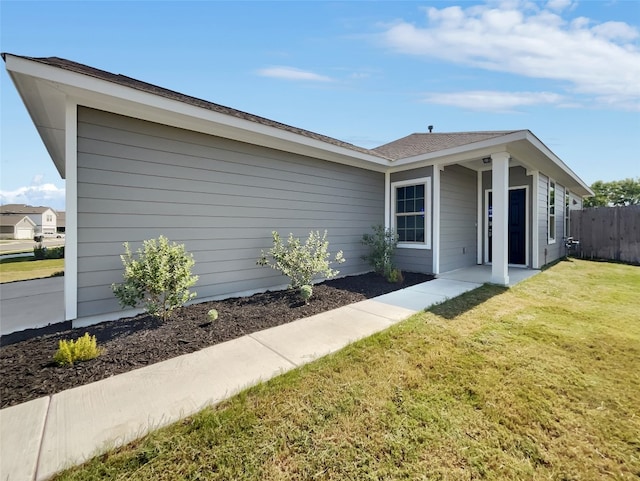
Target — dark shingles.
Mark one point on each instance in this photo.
(416, 144)
(170, 94)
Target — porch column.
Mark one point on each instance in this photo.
(500, 231)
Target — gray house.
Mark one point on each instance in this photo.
(140, 161)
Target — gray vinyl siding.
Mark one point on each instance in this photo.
(458, 217)
(222, 199)
(414, 260)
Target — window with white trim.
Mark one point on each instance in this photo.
(551, 211)
(412, 212)
(567, 214)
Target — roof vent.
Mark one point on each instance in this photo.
(430, 128)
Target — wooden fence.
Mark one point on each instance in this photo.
(610, 233)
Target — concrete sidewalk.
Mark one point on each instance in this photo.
(43, 436)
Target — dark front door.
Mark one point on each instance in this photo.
(517, 226)
(517, 236)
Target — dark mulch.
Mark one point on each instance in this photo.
(28, 372)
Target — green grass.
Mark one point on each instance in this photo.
(539, 382)
(25, 268)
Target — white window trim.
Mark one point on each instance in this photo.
(567, 212)
(555, 213)
(426, 181)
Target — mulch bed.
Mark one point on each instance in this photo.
(27, 370)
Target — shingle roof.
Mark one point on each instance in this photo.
(419, 143)
(11, 219)
(170, 94)
(22, 209)
(414, 144)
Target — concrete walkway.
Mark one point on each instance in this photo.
(41, 437)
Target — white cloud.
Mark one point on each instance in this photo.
(292, 73)
(37, 194)
(559, 5)
(600, 61)
(494, 101)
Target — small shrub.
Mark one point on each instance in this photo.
(305, 293)
(40, 251)
(395, 276)
(159, 278)
(82, 349)
(212, 315)
(54, 252)
(383, 243)
(301, 263)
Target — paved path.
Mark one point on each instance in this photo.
(43, 436)
(31, 304)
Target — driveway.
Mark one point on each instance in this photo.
(31, 304)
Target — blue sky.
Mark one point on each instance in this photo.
(363, 72)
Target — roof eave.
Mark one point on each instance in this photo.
(45, 91)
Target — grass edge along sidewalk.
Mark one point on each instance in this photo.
(536, 382)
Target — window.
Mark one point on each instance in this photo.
(551, 211)
(49, 218)
(567, 214)
(412, 212)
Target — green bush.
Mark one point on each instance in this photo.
(395, 276)
(82, 349)
(39, 251)
(159, 278)
(54, 252)
(305, 293)
(301, 263)
(383, 243)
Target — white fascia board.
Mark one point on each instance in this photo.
(459, 153)
(94, 92)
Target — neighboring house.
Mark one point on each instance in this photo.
(15, 226)
(43, 217)
(61, 222)
(140, 161)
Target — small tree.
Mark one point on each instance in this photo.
(383, 243)
(301, 263)
(159, 278)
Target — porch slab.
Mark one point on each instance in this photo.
(482, 274)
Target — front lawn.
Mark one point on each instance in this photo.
(26, 268)
(537, 382)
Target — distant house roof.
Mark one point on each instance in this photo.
(13, 219)
(23, 209)
(422, 143)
